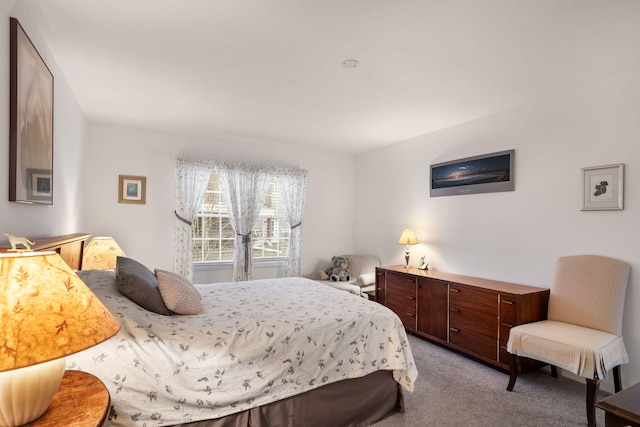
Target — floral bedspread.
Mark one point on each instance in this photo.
(257, 342)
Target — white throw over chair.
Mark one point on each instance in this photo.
(583, 330)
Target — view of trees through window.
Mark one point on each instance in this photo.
(213, 236)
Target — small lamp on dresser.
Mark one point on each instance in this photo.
(46, 313)
(408, 237)
(101, 254)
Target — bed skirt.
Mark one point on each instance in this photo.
(349, 403)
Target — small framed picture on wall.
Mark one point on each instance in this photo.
(603, 188)
(132, 189)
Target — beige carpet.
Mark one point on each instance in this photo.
(452, 390)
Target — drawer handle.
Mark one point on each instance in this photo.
(454, 329)
(455, 310)
(508, 325)
(506, 301)
(455, 290)
(379, 289)
(411, 297)
(410, 314)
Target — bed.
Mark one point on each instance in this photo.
(287, 352)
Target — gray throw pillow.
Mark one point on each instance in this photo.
(139, 284)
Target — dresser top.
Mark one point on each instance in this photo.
(495, 285)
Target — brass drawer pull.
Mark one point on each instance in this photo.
(454, 329)
(411, 297)
(506, 301)
(411, 314)
(455, 290)
(455, 310)
(508, 325)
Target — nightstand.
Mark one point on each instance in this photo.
(371, 295)
(623, 408)
(82, 400)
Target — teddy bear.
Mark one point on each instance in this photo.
(338, 271)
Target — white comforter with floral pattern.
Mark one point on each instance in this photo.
(257, 342)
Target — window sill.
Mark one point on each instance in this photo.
(225, 265)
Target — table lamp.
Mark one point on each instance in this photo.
(101, 254)
(46, 313)
(408, 237)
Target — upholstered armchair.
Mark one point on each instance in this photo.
(362, 269)
(583, 330)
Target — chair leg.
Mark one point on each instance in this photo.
(593, 385)
(554, 371)
(617, 379)
(513, 371)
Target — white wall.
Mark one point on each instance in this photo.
(516, 236)
(145, 232)
(66, 213)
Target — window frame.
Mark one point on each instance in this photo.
(199, 264)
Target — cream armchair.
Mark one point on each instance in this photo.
(583, 330)
(362, 269)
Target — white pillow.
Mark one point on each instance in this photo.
(178, 293)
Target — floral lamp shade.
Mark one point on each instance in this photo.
(46, 313)
(101, 254)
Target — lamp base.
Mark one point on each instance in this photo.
(26, 393)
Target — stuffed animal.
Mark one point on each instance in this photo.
(338, 271)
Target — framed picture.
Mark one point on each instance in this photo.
(603, 188)
(30, 121)
(132, 189)
(487, 173)
(38, 184)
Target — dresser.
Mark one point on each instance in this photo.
(467, 314)
(70, 247)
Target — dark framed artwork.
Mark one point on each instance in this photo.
(132, 189)
(30, 122)
(486, 173)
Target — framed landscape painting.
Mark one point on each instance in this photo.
(486, 173)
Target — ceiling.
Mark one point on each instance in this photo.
(271, 70)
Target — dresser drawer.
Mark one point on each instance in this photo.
(401, 283)
(467, 297)
(406, 314)
(402, 299)
(472, 320)
(505, 328)
(474, 342)
(508, 310)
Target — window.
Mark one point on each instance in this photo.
(213, 236)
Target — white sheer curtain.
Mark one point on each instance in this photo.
(243, 188)
(192, 178)
(293, 190)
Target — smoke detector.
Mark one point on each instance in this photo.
(350, 63)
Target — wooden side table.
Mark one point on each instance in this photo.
(371, 295)
(623, 408)
(82, 400)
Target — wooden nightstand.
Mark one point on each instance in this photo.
(371, 295)
(623, 408)
(81, 401)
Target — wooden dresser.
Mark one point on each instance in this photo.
(468, 314)
(70, 247)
